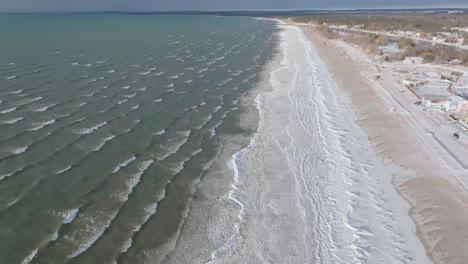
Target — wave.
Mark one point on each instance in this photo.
(84, 131)
(75, 63)
(142, 89)
(41, 125)
(129, 95)
(103, 142)
(88, 65)
(63, 170)
(123, 101)
(44, 108)
(17, 92)
(124, 164)
(135, 107)
(8, 110)
(145, 73)
(158, 73)
(30, 257)
(158, 100)
(173, 144)
(133, 180)
(160, 132)
(11, 121)
(70, 216)
(10, 77)
(111, 71)
(17, 151)
(126, 87)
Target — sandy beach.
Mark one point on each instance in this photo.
(335, 173)
(421, 172)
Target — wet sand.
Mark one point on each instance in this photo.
(438, 204)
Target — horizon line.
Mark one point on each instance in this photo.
(252, 10)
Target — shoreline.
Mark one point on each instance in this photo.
(435, 209)
(310, 202)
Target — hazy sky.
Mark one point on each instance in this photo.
(155, 5)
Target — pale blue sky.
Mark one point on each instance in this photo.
(164, 5)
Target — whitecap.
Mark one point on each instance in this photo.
(158, 100)
(18, 151)
(111, 71)
(135, 107)
(142, 89)
(129, 95)
(8, 110)
(17, 92)
(88, 65)
(126, 87)
(160, 132)
(10, 77)
(123, 101)
(170, 85)
(124, 164)
(70, 216)
(145, 73)
(12, 120)
(74, 63)
(126, 245)
(63, 170)
(30, 257)
(100, 62)
(84, 131)
(103, 142)
(173, 77)
(158, 73)
(41, 125)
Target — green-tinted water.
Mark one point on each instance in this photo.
(105, 123)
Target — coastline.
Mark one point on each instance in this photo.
(438, 205)
(309, 188)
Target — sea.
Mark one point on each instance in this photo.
(107, 123)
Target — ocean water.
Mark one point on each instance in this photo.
(106, 123)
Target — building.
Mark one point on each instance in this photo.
(452, 103)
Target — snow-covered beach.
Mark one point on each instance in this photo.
(313, 188)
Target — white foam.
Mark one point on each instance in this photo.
(41, 125)
(84, 131)
(126, 245)
(160, 132)
(17, 92)
(30, 257)
(158, 73)
(44, 108)
(135, 107)
(18, 151)
(142, 89)
(70, 216)
(111, 71)
(158, 100)
(170, 85)
(126, 87)
(75, 63)
(103, 142)
(173, 144)
(88, 65)
(8, 110)
(11, 121)
(10, 77)
(129, 95)
(124, 164)
(123, 101)
(63, 170)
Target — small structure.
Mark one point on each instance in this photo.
(436, 102)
